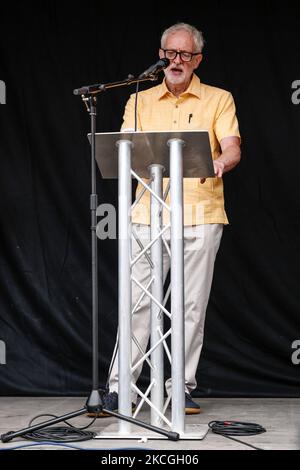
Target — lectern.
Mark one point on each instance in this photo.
(153, 155)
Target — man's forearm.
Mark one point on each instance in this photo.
(230, 157)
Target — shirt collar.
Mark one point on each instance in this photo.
(194, 88)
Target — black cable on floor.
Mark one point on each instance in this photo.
(236, 428)
(60, 433)
(63, 421)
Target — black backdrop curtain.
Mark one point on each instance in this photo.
(47, 50)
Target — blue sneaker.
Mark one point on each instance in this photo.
(110, 403)
(191, 408)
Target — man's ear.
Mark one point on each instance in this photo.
(198, 60)
(161, 54)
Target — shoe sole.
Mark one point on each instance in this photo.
(192, 411)
(102, 414)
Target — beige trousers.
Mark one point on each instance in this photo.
(201, 244)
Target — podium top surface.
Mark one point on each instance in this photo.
(150, 148)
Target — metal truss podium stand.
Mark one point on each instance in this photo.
(153, 155)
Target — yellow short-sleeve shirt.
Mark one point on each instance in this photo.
(201, 107)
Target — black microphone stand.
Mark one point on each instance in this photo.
(94, 403)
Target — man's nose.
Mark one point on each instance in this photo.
(177, 59)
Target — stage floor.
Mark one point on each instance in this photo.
(280, 417)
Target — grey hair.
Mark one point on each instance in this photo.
(194, 32)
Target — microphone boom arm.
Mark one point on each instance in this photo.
(99, 87)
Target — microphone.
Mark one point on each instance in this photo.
(154, 69)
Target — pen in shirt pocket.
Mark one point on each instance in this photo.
(190, 117)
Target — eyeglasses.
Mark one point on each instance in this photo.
(184, 56)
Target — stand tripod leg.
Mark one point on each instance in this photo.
(12, 434)
(173, 436)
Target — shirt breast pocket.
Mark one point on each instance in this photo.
(208, 186)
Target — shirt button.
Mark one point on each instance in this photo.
(174, 122)
(176, 106)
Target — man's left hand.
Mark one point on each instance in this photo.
(219, 168)
(230, 157)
